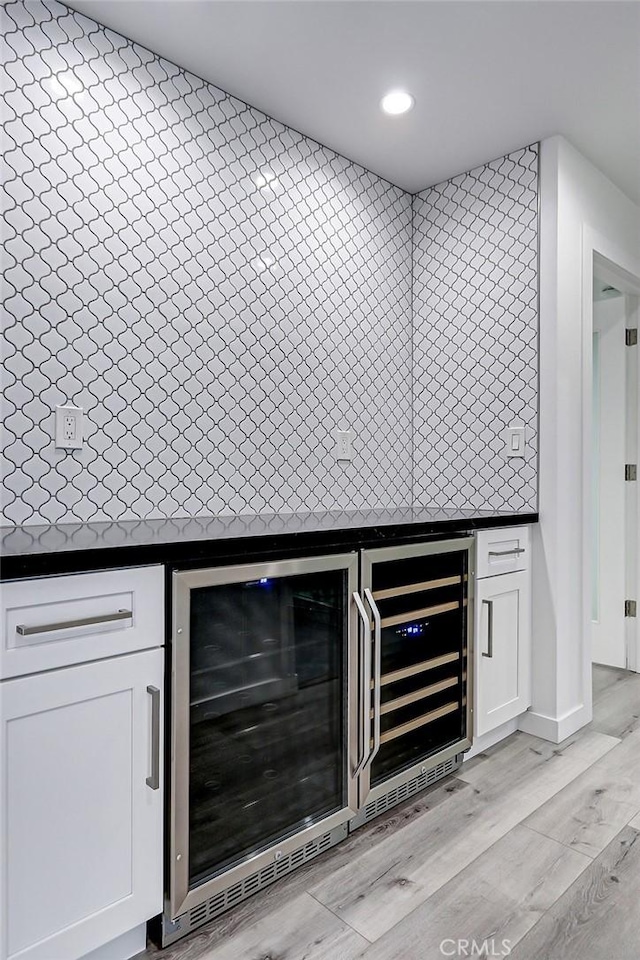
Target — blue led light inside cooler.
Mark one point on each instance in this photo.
(262, 582)
(412, 630)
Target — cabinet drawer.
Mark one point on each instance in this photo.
(59, 621)
(502, 551)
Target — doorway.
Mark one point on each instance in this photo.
(614, 420)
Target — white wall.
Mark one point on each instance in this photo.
(581, 212)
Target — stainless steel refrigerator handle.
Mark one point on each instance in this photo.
(69, 624)
(153, 781)
(507, 553)
(489, 652)
(377, 672)
(365, 663)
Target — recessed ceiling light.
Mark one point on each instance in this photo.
(396, 102)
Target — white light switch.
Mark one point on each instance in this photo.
(514, 441)
(68, 428)
(343, 445)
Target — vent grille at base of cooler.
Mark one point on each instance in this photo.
(404, 791)
(212, 907)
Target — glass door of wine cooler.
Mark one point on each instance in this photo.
(264, 731)
(419, 706)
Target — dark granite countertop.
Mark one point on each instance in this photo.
(62, 548)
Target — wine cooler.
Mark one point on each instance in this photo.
(308, 696)
(263, 727)
(417, 685)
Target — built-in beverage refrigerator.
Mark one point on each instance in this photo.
(417, 711)
(307, 696)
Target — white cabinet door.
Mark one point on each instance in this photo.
(502, 649)
(80, 825)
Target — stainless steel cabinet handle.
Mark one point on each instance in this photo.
(153, 781)
(489, 652)
(365, 665)
(377, 672)
(507, 553)
(69, 624)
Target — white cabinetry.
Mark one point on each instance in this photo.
(503, 628)
(81, 766)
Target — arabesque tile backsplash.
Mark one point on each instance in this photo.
(475, 335)
(220, 294)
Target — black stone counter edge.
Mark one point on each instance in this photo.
(197, 553)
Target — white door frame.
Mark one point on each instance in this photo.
(611, 450)
(616, 267)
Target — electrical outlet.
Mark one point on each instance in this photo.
(68, 428)
(343, 445)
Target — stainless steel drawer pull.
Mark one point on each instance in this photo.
(507, 553)
(489, 652)
(153, 781)
(69, 624)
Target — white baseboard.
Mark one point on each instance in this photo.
(480, 744)
(123, 947)
(555, 729)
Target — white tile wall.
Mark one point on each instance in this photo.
(221, 293)
(475, 315)
(218, 292)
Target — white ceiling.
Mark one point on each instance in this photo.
(488, 77)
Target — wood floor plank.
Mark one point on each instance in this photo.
(598, 916)
(302, 928)
(617, 711)
(497, 899)
(635, 823)
(510, 760)
(592, 810)
(386, 882)
(604, 678)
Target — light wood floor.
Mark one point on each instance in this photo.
(531, 843)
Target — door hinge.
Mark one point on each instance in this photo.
(630, 608)
(630, 471)
(631, 336)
